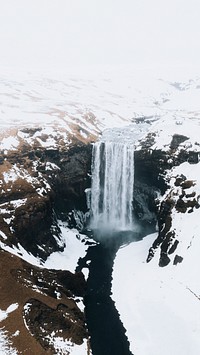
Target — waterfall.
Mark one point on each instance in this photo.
(112, 184)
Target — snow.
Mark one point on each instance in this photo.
(51, 166)
(9, 143)
(74, 249)
(10, 309)
(16, 172)
(18, 203)
(8, 220)
(22, 253)
(41, 191)
(191, 172)
(16, 333)
(26, 312)
(9, 207)
(67, 259)
(83, 134)
(56, 103)
(156, 307)
(3, 235)
(63, 346)
(10, 176)
(5, 345)
(169, 126)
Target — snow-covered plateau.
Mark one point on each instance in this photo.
(47, 124)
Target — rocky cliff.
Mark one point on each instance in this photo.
(39, 186)
(164, 187)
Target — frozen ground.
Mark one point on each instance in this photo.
(159, 307)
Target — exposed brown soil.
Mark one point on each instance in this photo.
(25, 284)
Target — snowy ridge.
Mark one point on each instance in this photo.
(85, 106)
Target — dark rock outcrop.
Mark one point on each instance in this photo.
(43, 321)
(177, 139)
(45, 184)
(151, 183)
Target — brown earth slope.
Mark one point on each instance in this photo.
(46, 302)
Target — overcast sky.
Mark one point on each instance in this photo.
(65, 33)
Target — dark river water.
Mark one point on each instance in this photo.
(108, 335)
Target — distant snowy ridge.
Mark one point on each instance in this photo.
(84, 107)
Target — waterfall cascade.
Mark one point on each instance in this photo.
(113, 181)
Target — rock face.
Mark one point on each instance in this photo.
(179, 201)
(159, 195)
(73, 178)
(37, 187)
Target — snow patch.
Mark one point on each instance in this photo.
(6, 347)
(51, 166)
(9, 143)
(3, 235)
(64, 346)
(10, 309)
(74, 249)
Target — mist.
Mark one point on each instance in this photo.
(66, 34)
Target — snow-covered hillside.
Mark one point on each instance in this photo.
(88, 104)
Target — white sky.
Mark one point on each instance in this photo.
(65, 33)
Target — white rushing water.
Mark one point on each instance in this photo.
(113, 181)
